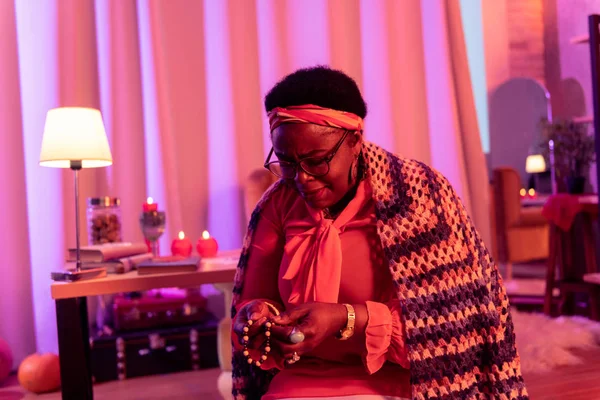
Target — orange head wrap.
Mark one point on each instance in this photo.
(311, 114)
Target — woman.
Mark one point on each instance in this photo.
(362, 277)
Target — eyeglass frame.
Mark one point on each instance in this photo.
(327, 159)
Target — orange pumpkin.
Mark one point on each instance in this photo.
(39, 373)
(6, 360)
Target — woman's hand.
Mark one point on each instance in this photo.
(258, 312)
(317, 321)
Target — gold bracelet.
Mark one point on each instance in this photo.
(347, 332)
(273, 309)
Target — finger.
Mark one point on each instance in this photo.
(287, 350)
(290, 317)
(257, 310)
(242, 327)
(248, 332)
(281, 333)
(282, 319)
(305, 326)
(238, 325)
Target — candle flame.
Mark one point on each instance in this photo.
(531, 192)
(523, 192)
(149, 200)
(181, 235)
(205, 235)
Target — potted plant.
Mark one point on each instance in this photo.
(574, 152)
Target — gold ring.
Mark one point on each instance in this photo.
(295, 358)
(296, 336)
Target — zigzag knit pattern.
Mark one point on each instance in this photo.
(458, 327)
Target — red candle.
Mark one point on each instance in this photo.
(149, 205)
(207, 246)
(181, 246)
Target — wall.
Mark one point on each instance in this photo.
(495, 34)
(567, 62)
(514, 40)
(514, 44)
(568, 65)
(532, 38)
(526, 39)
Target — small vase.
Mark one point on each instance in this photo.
(576, 184)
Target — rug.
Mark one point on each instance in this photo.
(546, 343)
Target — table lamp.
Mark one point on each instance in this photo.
(74, 137)
(534, 164)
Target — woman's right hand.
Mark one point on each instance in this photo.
(258, 312)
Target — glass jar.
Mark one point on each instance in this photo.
(104, 220)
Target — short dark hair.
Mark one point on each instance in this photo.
(321, 86)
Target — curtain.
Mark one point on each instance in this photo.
(180, 85)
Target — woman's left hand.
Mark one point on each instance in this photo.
(317, 321)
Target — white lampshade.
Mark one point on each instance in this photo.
(74, 134)
(535, 163)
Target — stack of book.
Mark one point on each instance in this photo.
(168, 264)
(173, 264)
(117, 258)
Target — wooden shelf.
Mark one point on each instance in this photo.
(592, 278)
(580, 39)
(588, 119)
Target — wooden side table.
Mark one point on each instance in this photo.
(571, 280)
(72, 320)
(537, 201)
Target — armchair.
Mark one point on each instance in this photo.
(522, 233)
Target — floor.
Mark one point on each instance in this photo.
(581, 382)
(199, 385)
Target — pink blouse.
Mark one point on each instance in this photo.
(298, 256)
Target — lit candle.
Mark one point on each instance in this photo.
(523, 192)
(531, 193)
(181, 246)
(207, 246)
(149, 205)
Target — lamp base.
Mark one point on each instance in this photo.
(74, 276)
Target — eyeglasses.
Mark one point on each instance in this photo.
(314, 166)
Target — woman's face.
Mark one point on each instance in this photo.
(294, 142)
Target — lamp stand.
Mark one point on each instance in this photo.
(76, 166)
(552, 167)
(79, 273)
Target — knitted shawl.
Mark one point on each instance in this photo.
(458, 327)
